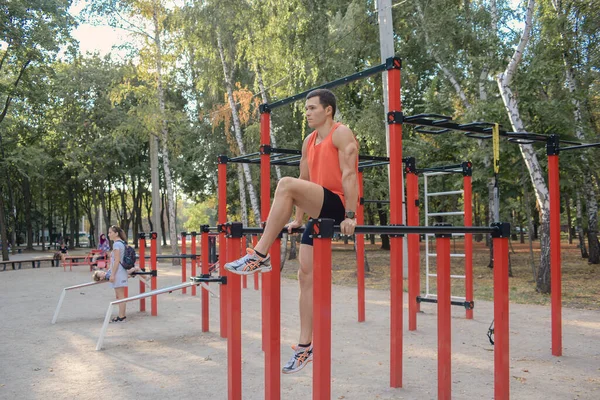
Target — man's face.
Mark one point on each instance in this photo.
(316, 115)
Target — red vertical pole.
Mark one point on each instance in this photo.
(153, 299)
(444, 332)
(193, 261)
(412, 219)
(265, 207)
(183, 261)
(397, 299)
(555, 263)
(468, 209)
(234, 324)
(205, 270)
(222, 217)
(501, 327)
(273, 353)
(142, 264)
(256, 276)
(360, 251)
(322, 310)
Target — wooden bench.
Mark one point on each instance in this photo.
(35, 262)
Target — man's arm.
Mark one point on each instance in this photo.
(344, 140)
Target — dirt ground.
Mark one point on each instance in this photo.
(169, 357)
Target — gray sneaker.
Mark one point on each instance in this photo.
(301, 357)
(250, 264)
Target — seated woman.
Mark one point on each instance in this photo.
(63, 251)
(103, 247)
(104, 275)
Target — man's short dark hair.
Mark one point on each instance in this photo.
(326, 98)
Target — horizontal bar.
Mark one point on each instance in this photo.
(234, 159)
(440, 173)
(454, 234)
(329, 85)
(85, 285)
(451, 276)
(582, 146)
(155, 292)
(455, 255)
(385, 229)
(445, 193)
(441, 214)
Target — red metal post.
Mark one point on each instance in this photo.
(468, 209)
(273, 348)
(360, 251)
(193, 261)
(396, 262)
(265, 208)
(501, 326)
(223, 289)
(142, 264)
(322, 313)
(444, 316)
(234, 325)
(153, 299)
(183, 260)
(412, 219)
(204, 243)
(555, 262)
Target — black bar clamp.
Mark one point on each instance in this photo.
(322, 228)
(141, 235)
(204, 228)
(395, 117)
(502, 229)
(264, 108)
(410, 165)
(234, 230)
(443, 234)
(265, 149)
(222, 159)
(467, 168)
(552, 145)
(393, 63)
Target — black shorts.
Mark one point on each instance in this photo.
(332, 208)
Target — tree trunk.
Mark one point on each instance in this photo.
(3, 233)
(385, 239)
(164, 135)
(589, 194)
(243, 204)
(490, 186)
(27, 212)
(511, 104)
(569, 219)
(237, 128)
(162, 219)
(579, 228)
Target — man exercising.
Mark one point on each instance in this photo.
(327, 188)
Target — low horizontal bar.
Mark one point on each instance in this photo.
(438, 173)
(155, 292)
(234, 159)
(454, 234)
(329, 85)
(445, 193)
(469, 305)
(455, 255)
(441, 214)
(451, 276)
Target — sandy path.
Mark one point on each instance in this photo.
(168, 356)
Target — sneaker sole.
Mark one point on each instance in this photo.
(254, 271)
(297, 370)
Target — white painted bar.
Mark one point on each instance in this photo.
(64, 292)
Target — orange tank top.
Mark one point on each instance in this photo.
(324, 164)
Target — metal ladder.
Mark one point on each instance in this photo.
(428, 254)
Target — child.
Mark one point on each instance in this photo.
(104, 275)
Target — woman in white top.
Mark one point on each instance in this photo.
(118, 275)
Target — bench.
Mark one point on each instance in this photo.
(35, 262)
(84, 260)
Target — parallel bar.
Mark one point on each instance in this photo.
(555, 262)
(390, 229)
(329, 85)
(453, 255)
(442, 173)
(64, 291)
